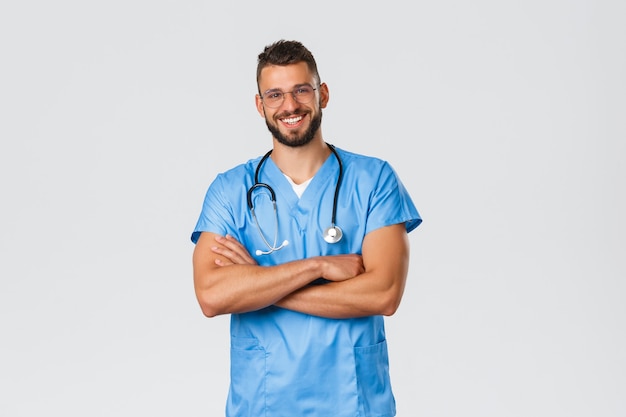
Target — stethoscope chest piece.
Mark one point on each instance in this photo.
(333, 234)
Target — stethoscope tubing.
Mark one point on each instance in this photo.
(331, 235)
(337, 186)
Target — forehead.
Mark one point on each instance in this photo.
(284, 77)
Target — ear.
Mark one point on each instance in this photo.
(324, 95)
(259, 105)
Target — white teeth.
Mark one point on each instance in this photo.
(292, 120)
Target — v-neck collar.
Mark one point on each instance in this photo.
(319, 182)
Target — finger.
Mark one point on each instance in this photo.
(234, 245)
(229, 246)
(233, 251)
(220, 262)
(228, 254)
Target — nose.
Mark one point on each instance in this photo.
(289, 101)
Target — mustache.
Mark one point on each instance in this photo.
(289, 114)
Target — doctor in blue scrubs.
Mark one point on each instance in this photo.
(306, 248)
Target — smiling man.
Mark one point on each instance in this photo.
(293, 115)
(306, 248)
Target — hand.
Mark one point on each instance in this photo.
(342, 267)
(233, 251)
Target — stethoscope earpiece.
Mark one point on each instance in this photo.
(332, 234)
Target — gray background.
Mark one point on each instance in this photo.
(504, 119)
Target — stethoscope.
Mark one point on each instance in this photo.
(332, 234)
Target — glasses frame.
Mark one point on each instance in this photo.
(282, 95)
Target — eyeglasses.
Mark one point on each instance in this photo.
(302, 94)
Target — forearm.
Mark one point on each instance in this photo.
(228, 280)
(377, 291)
(365, 295)
(243, 288)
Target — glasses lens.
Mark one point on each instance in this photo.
(273, 98)
(303, 94)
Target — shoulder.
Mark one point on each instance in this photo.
(233, 181)
(357, 159)
(239, 172)
(364, 164)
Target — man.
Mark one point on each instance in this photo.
(307, 249)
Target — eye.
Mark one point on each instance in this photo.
(274, 95)
(302, 91)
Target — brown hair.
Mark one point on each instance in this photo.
(285, 52)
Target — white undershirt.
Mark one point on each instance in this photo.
(298, 188)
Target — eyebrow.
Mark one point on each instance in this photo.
(272, 90)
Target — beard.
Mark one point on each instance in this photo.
(294, 140)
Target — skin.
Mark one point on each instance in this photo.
(228, 280)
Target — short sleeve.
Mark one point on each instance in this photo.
(391, 203)
(216, 215)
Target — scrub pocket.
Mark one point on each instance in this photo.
(247, 378)
(374, 385)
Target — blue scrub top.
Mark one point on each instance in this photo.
(284, 363)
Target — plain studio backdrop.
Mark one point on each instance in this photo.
(505, 121)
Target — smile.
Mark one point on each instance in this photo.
(292, 120)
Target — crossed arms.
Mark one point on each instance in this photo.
(228, 280)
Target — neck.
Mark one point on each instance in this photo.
(303, 162)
